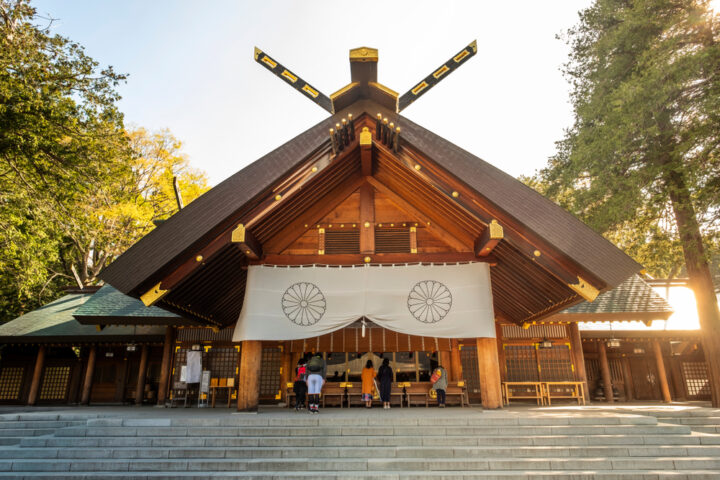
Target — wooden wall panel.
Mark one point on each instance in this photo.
(347, 212)
(305, 245)
(428, 243)
(386, 211)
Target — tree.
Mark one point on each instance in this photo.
(76, 189)
(644, 147)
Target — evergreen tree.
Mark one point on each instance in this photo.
(645, 145)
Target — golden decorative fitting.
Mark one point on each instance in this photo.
(455, 194)
(330, 225)
(346, 88)
(278, 197)
(420, 87)
(367, 259)
(349, 117)
(337, 125)
(317, 226)
(314, 169)
(310, 91)
(413, 250)
(365, 136)
(537, 253)
(428, 223)
(321, 252)
(412, 229)
(397, 129)
(306, 225)
(392, 126)
(392, 224)
(289, 76)
(367, 224)
(247, 252)
(380, 225)
(496, 230)
(441, 71)
(332, 130)
(416, 224)
(342, 225)
(268, 61)
(584, 289)
(322, 230)
(257, 52)
(385, 121)
(343, 121)
(417, 167)
(238, 235)
(153, 295)
(199, 258)
(364, 54)
(379, 116)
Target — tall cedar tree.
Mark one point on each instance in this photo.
(645, 81)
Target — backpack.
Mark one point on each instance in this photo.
(315, 365)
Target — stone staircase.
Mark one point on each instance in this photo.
(358, 444)
(699, 420)
(15, 427)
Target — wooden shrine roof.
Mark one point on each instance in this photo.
(526, 287)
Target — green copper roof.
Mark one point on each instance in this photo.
(632, 296)
(110, 302)
(55, 321)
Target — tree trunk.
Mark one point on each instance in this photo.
(698, 270)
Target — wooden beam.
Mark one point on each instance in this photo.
(89, 372)
(295, 229)
(434, 229)
(366, 152)
(489, 239)
(246, 242)
(367, 219)
(605, 372)
(142, 370)
(664, 387)
(375, 259)
(456, 372)
(578, 357)
(37, 376)
(249, 376)
(166, 366)
(489, 371)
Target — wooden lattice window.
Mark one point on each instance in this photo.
(555, 364)
(11, 379)
(55, 383)
(221, 361)
(697, 383)
(180, 360)
(592, 369)
(616, 371)
(521, 363)
(392, 240)
(270, 372)
(342, 241)
(471, 374)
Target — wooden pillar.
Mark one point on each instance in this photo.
(287, 371)
(501, 352)
(249, 383)
(367, 219)
(89, 373)
(664, 387)
(166, 366)
(455, 361)
(37, 375)
(578, 357)
(444, 359)
(628, 380)
(489, 372)
(676, 374)
(140, 388)
(605, 372)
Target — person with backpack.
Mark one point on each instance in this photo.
(300, 387)
(439, 380)
(315, 380)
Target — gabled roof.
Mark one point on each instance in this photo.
(55, 323)
(214, 211)
(109, 306)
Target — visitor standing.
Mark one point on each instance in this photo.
(315, 381)
(440, 383)
(300, 387)
(385, 378)
(368, 383)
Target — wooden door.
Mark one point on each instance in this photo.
(108, 381)
(645, 379)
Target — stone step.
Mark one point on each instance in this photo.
(27, 432)
(638, 464)
(10, 440)
(302, 420)
(39, 424)
(380, 475)
(690, 420)
(372, 440)
(269, 431)
(439, 451)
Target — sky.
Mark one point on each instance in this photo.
(191, 69)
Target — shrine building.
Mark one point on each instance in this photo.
(364, 237)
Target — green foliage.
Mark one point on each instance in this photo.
(646, 140)
(76, 189)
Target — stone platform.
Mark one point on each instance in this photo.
(417, 443)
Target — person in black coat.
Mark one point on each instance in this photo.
(385, 379)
